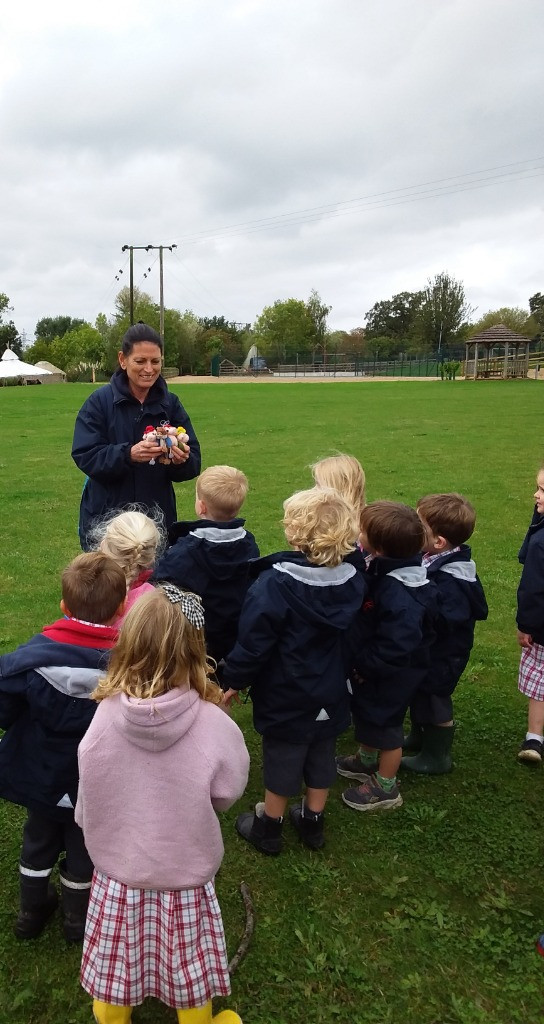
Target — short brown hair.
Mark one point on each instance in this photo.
(393, 529)
(320, 523)
(93, 587)
(223, 489)
(448, 515)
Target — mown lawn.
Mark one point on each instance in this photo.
(426, 915)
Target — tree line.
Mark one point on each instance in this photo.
(436, 320)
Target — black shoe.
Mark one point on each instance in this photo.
(33, 916)
(308, 825)
(531, 751)
(264, 833)
(75, 900)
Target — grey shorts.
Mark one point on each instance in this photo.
(287, 765)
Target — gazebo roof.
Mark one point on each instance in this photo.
(498, 335)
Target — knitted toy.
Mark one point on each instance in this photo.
(166, 437)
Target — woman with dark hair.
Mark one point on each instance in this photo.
(108, 445)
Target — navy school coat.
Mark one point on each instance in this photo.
(292, 648)
(211, 559)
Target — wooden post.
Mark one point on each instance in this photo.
(475, 360)
(505, 371)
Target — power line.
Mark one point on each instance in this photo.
(375, 200)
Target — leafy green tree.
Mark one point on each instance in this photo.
(536, 305)
(38, 352)
(516, 319)
(143, 304)
(284, 329)
(318, 313)
(9, 335)
(443, 313)
(51, 327)
(395, 317)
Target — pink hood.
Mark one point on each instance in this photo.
(157, 723)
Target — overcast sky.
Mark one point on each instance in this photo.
(357, 147)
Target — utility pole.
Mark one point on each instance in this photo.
(148, 248)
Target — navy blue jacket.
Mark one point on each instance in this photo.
(212, 560)
(292, 646)
(461, 603)
(530, 615)
(391, 639)
(45, 708)
(108, 424)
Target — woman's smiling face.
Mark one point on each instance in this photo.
(142, 366)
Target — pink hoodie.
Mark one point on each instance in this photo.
(152, 775)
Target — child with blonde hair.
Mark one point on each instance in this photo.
(133, 540)
(161, 757)
(292, 652)
(211, 555)
(346, 475)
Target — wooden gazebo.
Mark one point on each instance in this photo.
(512, 361)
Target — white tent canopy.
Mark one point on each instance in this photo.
(12, 366)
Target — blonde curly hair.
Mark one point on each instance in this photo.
(158, 650)
(320, 523)
(346, 475)
(132, 538)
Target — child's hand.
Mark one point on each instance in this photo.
(229, 695)
(525, 640)
(355, 677)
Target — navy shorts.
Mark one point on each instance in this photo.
(431, 709)
(287, 765)
(380, 737)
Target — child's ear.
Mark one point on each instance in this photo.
(65, 610)
(440, 543)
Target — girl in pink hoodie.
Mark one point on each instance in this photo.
(159, 759)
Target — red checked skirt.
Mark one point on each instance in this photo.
(143, 942)
(531, 672)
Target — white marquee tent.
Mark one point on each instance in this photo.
(12, 366)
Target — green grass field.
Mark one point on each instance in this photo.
(425, 915)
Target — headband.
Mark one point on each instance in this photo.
(191, 604)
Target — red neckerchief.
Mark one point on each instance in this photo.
(81, 634)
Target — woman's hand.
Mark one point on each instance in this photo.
(525, 640)
(179, 455)
(144, 452)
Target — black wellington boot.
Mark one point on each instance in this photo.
(435, 755)
(308, 824)
(39, 901)
(75, 900)
(264, 833)
(414, 740)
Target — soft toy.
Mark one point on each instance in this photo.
(167, 437)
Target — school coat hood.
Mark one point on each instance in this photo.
(319, 595)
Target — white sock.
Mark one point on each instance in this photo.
(534, 736)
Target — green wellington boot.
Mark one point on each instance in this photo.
(412, 742)
(435, 755)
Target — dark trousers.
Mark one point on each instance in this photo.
(44, 839)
